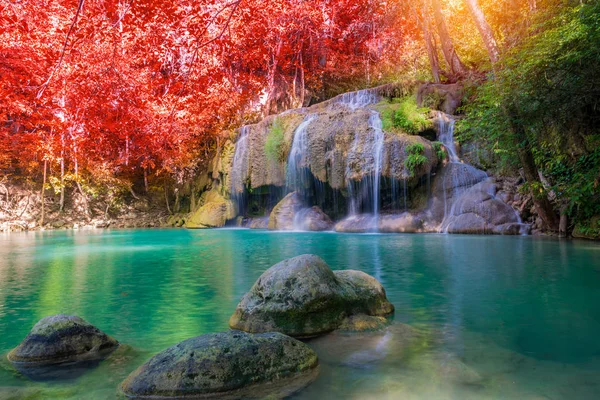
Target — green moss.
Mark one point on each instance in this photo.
(415, 157)
(403, 115)
(275, 147)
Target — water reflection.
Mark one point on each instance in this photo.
(523, 314)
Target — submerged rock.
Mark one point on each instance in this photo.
(390, 344)
(226, 365)
(303, 297)
(60, 339)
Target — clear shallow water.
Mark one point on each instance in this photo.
(499, 317)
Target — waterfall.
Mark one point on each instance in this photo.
(459, 175)
(360, 98)
(377, 125)
(366, 194)
(446, 135)
(239, 169)
(298, 175)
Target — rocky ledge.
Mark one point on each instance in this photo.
(302, 297)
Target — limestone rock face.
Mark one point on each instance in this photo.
(303, 297)
(340, 144)
(478, 210)
(283, 214)
(62, 338)
(214, 212)
(226, 365)
(442, 97)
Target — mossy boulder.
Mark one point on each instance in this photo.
(62, 338)
(213, 213)
(227, 365)
(303, 297)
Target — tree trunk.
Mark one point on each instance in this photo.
(484, 29)
(146, 180)
(457, 68)
(62, 172)
(42, 194)
(167, 197)
(542, 205)
(430, 44)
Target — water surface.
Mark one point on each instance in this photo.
(520, 314)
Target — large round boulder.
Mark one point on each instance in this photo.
(62, 338)
(226, 365)
(303, 297)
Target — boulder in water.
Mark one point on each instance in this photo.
(214, 212)
(303, 297)
(60, 340)
(312, 219)
(283, 214)
(227, 365)
(400, 223)
(362, 223)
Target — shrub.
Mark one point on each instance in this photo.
(415, 157)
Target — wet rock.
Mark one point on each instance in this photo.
(303, 297)
(389, 344)
(358, 224)
(214, 212)
(400, 223)
(257, 223)
(312, 219)
(442, 97)
(226, 365)
(283, 214)
(479, 211)
(61, 339)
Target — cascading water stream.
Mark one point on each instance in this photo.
(360, 98)
(446, 135)
(297, 175)
(239, 169)
(368, 190)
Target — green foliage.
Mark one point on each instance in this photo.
(404, 115)
(275, 147)
(415, 157)
(549, 85)
(438, 147)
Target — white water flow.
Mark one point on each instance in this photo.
(446, 135)
(461, 176)
(365, 195)
(360, 98)
(239, 169)
(378, 140)
(297, 175)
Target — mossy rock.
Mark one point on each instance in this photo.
(62, 338)
(303, 297)
(226, 365)
(214, 212)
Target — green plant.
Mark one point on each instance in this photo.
(415, 157)
(404, 115)
(438, 147)
(275, 147)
